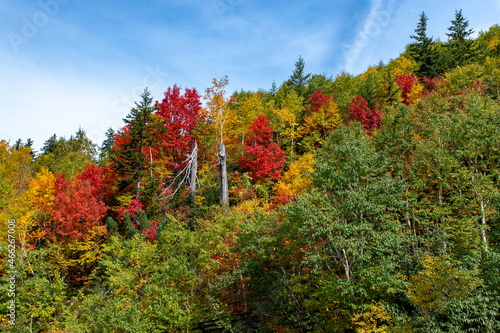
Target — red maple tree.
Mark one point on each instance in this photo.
(406, 83)
(180, 114)
(360, 111)
(316, 100)
(100, 178)
(77, 207)
(264, 158)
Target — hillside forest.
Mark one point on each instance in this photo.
(354, 203)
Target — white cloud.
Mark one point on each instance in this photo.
(368, 32)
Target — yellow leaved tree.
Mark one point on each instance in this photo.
(15, 203)
(438, 284)
(374, 319)
(41, 195)
(220, 118)
(296, 180)
(217, 112)
(323, 118)
(289, 113)
(245, 110)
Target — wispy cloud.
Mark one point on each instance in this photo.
(357, 52)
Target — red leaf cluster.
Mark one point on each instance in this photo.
(180, 114)
(150, 233)
(132, 208)
(264, 158)
(243, 193)
(282, 197)
(406, 82)
(100, 178)
(432, 83)
(77, 207)
(360, 111)
(317, 100)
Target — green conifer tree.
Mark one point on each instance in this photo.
(422, 50)
(461, 48)
(107, 146)
(129, 158)
(299, 79)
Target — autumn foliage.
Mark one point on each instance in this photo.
(264, 158)
(369, 118)
(323, 117)
(77, 207)
(181, 114)
(411, 88)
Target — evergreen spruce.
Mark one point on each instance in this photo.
(107, 146)
(129, 159)
(422, 50)
(298, 79)
(461, 48)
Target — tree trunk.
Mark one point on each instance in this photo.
(483, 222)
(194, 170)
(138, 188)
(224, 191)
(347, 269)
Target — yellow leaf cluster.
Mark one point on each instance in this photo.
(253, 205)
(22, 204)
(374, 319)
(249, 109)
(162, 170)
(326, 118)
(461, 78)
(416, 92)
(322, 122)
(217, 111)
(289, 109)
(21, 210)
(288, 114)
(298, 177)
(494, 44)
(403, 65)
(370, 71)
(15, 165)
(438, 283)
(41, 189)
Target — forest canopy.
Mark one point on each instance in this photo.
(354, 203)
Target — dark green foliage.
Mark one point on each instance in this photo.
(129, 158)
(111, 225)
(320, 82)
(299, 79)
(462, 49)
(68, 156)
(339, 244)
(459, 29)
(343, 90)
(274, 88)
(423, 50)
(28, 144)
(369, 88)
(40, 292)
(106, 147)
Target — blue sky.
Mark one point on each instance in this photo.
(66, 64)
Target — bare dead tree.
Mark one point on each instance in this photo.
(224, 191)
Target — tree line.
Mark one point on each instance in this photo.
(354, 203)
